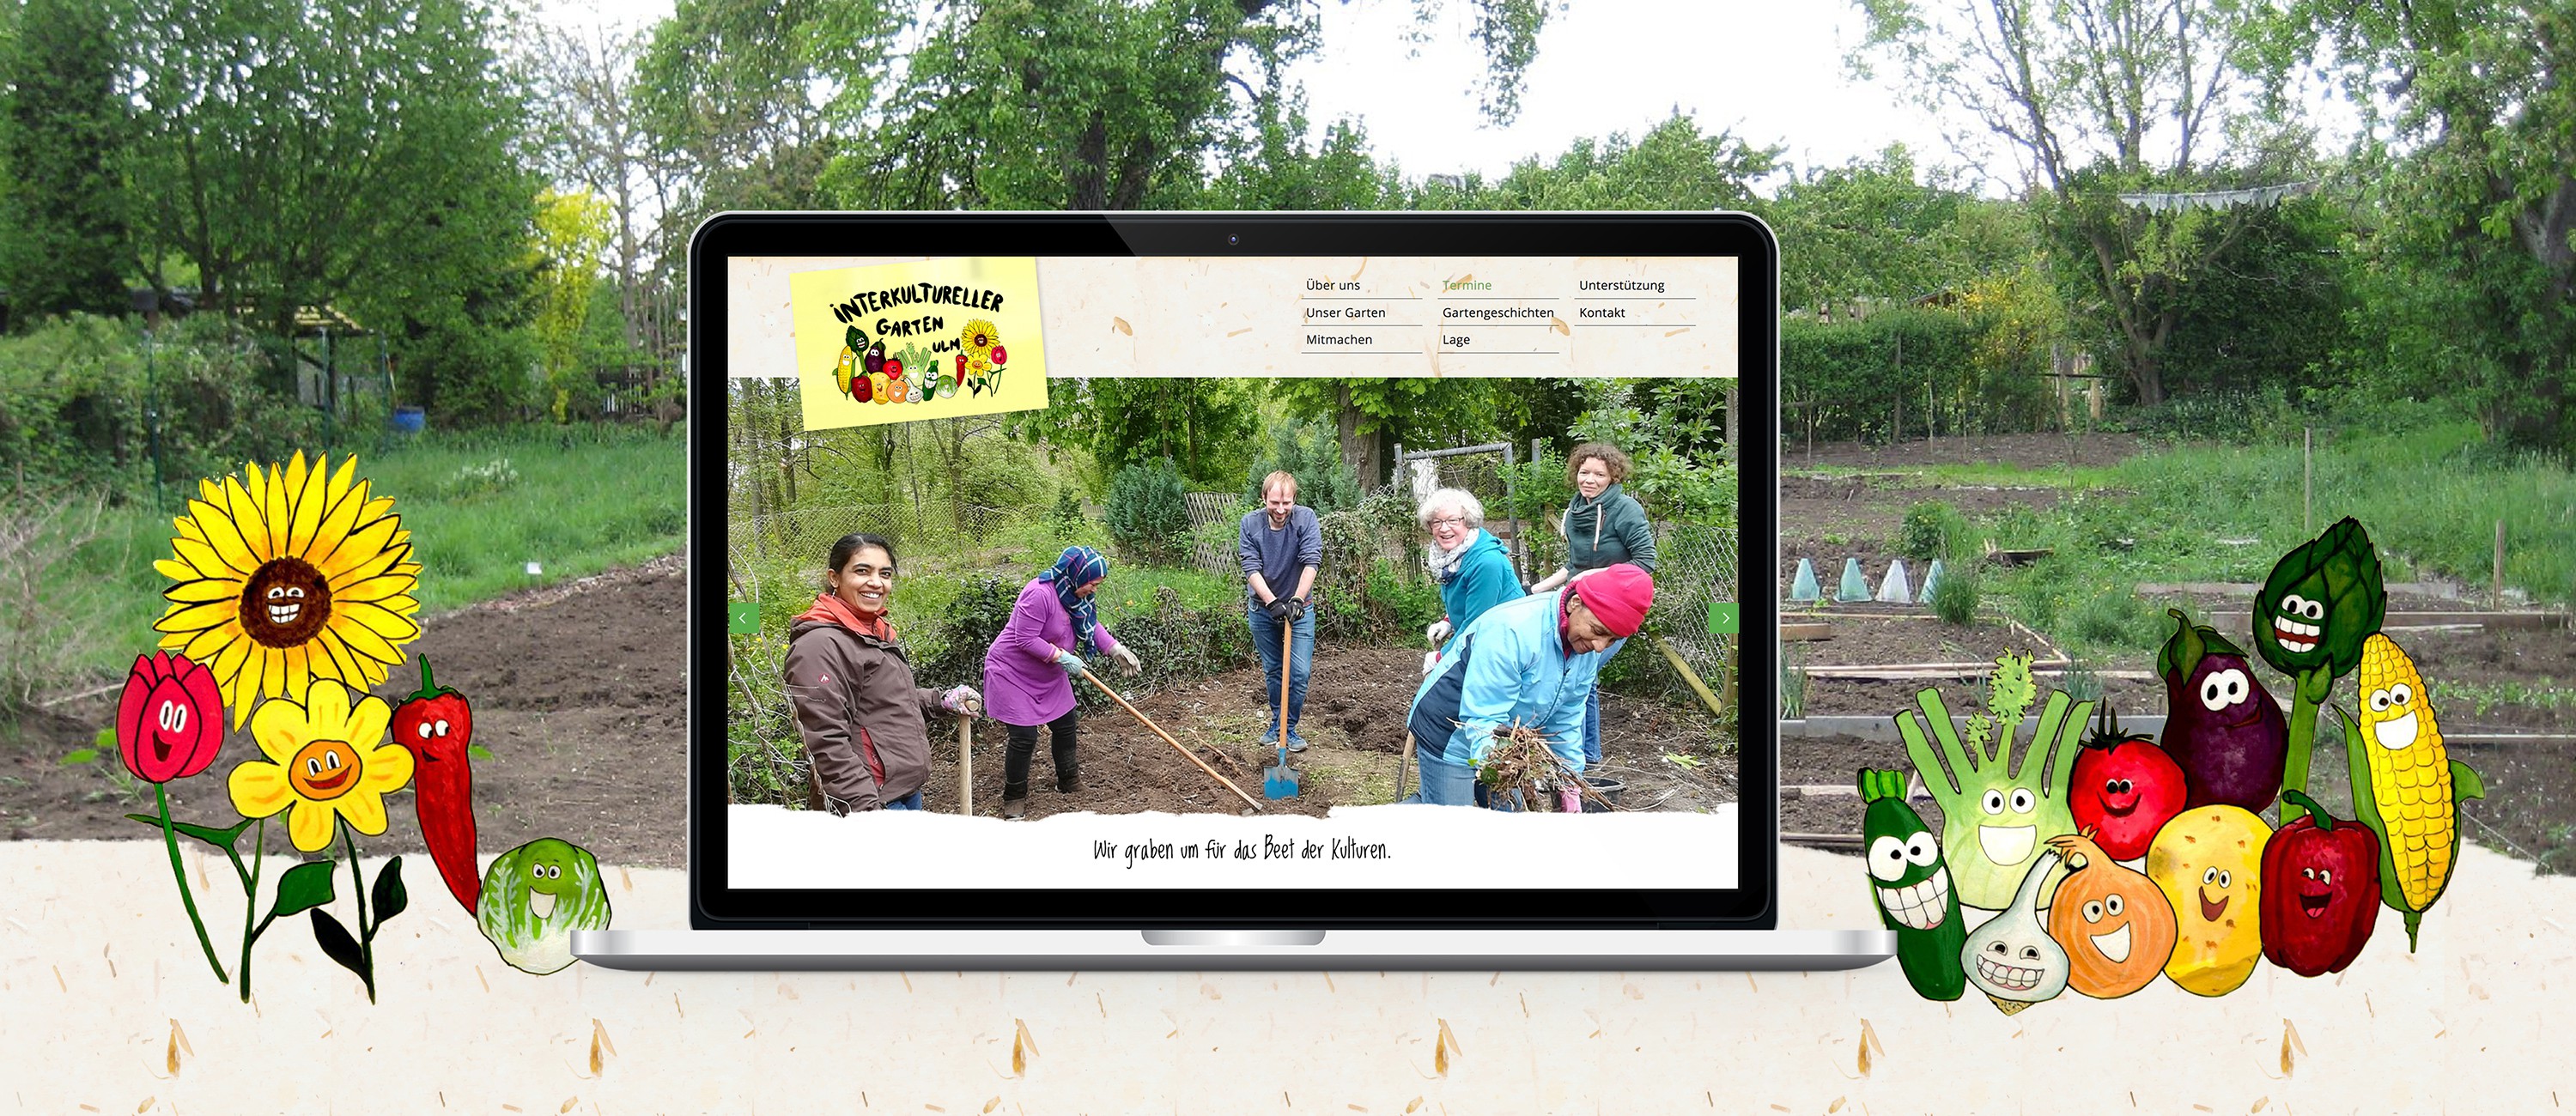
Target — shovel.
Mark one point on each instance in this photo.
(1281, 781)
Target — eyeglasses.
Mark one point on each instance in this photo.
(1451, 521)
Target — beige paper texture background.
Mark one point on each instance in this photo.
(97, 968)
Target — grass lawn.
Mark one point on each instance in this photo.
(480, 506)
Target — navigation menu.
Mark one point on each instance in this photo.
(1470, 317)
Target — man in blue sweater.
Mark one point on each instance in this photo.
(1281, 549)
(1530, 662)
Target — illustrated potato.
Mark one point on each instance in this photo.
(2209, 863)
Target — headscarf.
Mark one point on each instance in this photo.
(1076, 567)
(833, 610)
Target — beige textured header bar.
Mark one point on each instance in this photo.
(1334, 316)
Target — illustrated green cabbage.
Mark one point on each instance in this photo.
(534, 897)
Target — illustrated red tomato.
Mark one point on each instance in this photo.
(2125, 788)
(893, 369)
(999, 357)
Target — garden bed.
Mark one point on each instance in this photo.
(580, 692)
(1356, 701)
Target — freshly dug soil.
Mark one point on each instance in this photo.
(1356, 700)
(578, 690)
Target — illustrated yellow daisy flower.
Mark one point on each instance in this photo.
(284, 577)
(978, 339)
(326, 759)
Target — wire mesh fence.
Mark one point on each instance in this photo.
(1696, 565)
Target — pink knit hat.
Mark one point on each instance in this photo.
(1618, 596)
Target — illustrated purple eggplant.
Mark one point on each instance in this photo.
(2221, 726)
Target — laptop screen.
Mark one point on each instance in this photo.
(1219, 571)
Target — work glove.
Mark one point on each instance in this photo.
(963, 700)
(1071, 662)
(1438, 632)
(1296, 608)
(1277, 608)
(1127, 663)
(1569, 800)
(1430, 662)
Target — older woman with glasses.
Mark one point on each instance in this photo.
(1473, 570)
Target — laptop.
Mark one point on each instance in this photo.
(942, 382)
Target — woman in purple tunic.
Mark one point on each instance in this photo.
(1028, 672)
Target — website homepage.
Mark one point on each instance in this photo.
(1231, 572)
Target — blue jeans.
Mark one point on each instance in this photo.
(1265, 639)
(1445, 784)
(908, 802)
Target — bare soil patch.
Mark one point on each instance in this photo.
(1356, 701)
(579, 691)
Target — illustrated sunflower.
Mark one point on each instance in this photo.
(284, 577)
(978, 339)
(327, 759)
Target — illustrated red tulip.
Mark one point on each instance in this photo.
(999, 357)
(170, 720)
(169, 725)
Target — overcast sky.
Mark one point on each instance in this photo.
(1770, 72)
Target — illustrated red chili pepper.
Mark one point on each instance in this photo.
(437, 726)
(2320, 890)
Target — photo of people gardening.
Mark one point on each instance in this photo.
(1237, 596)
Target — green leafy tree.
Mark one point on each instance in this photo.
(572, 233)
(63, 239)
(360, 160)
(2471, 284)
(1097, 104)
(1871, 229)
(1307, 452)
(1146, 510)
(1674, 165)
(2094, 100)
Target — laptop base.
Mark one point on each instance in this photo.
(1590, 950)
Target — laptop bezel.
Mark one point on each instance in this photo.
(1009, 902)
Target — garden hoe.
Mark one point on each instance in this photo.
(1281, 781)
(1132, 711)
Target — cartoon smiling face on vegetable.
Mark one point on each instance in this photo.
(2116, 926)
(2125, 788)
(2310, 620)
(2320, 602)
(1995, 812)
(534, 897)
(2011, 958)
(1912, 887)
(2209, 863)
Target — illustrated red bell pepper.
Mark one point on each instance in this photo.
(437, 726)
(2320, 890)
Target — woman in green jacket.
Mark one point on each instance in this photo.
(1602, 527)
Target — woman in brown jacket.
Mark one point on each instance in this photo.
(864, 722)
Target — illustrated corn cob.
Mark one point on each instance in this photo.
(2405, 786)
(2410, 773)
